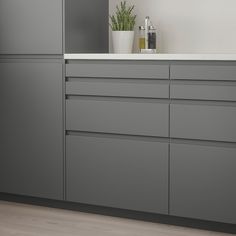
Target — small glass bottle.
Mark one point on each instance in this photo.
(152, 38)
(141, 38)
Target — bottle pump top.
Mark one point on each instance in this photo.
(147, 23)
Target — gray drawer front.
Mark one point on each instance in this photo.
(203, 122)
(203, 181)
(118, 70)
(203, 72)
(122, 117)
(118, 88)
(120, 173)
(203, 92)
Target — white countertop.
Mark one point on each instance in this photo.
(151, 57)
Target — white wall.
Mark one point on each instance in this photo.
(189, 26)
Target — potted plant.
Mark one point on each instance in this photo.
(122, 25)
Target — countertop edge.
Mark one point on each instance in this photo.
(152, 57)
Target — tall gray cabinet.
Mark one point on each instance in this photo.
(34, 34)
(31, 27)
(31, 128)
(31, 69)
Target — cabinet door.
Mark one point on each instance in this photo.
(203, 181)
(31, 26)
(117, 172)
(31, 129)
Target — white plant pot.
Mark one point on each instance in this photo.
(123, 41)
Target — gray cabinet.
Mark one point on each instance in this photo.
(203, 141)
(116, 112)
(31, 141)
(203, 181)
(117, 171)
(31, 26)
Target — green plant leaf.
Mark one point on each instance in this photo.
(123, 19)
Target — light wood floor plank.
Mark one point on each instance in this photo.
(27, 220)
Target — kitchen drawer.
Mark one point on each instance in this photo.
(204, 122)
(118, 70)
(203, 181)
(203, 91)
(117, 172)
(117, 116)
(203, 72)
(118, 88)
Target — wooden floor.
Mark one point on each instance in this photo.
(27, 220)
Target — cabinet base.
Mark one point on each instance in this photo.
(155, 218)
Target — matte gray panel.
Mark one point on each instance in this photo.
(31, 26)
(121, 117)
(31, 142)
(203, 92)
(203, 72)
(122, 88)
(203, 122)
(86, 26)
(118, 70)
(121, 173)
(203, 181)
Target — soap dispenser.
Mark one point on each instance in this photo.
(152, 37)
(142, 38)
